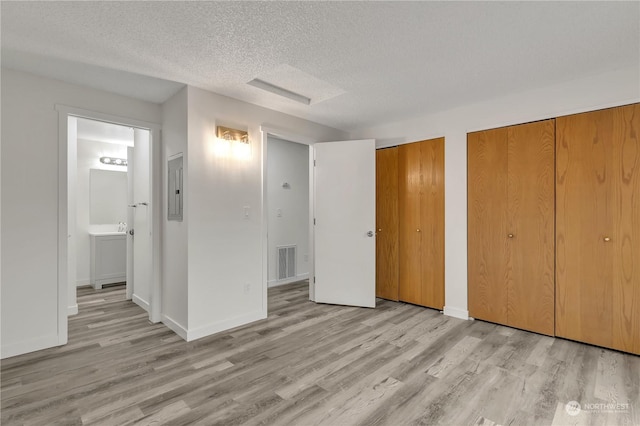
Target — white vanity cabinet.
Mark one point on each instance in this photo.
(108, 258)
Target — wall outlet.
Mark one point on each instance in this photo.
(247, 287)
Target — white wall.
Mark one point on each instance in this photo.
(288, 208)
(598, 91)
(174, 234)
(30, 200)
(225, 248)
(88, 157)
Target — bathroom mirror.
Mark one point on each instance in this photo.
(108, 196)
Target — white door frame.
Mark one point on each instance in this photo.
(156, 205)
(290, 137)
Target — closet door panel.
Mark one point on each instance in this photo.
(584, 260)
(387, 223)
(432, 220)
(487, 224)
(625, 237)
(531, 233)
(409, 190)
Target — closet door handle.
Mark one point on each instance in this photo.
(418, 230)
(379, 229)
(510, 235)
(606, 239)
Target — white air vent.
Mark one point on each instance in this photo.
(292, 83)
(286, 262)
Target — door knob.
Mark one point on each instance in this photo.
(606, 239)
(379, 229)
(370, 234)
(510, 235)
(131, 232)
(418, 230)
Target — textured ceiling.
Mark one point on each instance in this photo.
(380, 61)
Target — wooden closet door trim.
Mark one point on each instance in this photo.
(584, 262)
(531, 218)
(387, 223)
(625, 237)
(487, 224)
(432, 223)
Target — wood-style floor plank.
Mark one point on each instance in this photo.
(313, 364)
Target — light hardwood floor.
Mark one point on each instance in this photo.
(314, 364)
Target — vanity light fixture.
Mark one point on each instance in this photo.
(112, 161)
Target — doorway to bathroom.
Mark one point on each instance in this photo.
(111, 203)
(110, 209)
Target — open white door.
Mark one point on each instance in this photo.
(345, 206)
(142, 255)
(131, 209)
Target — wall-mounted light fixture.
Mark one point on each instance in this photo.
(228, 133)
(112, 161)
(232, 141)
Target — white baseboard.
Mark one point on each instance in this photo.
(72, 310)
(140, 302)
(82, 283)
(31, 345)
(456, 312)
(174, 326)
(216, 327)
(275, 283)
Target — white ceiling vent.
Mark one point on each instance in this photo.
(294, 84)
(260, 84)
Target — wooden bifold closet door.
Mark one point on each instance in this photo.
(387, 223)
(421, 215)
(598, 228)
(511, 225)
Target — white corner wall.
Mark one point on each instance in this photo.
(174, 233)
(288, 207)
(72, 178)
(88, 157)
(225, 247)
(595, 92)
(29, 294)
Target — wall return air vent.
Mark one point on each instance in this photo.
(286, 262)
